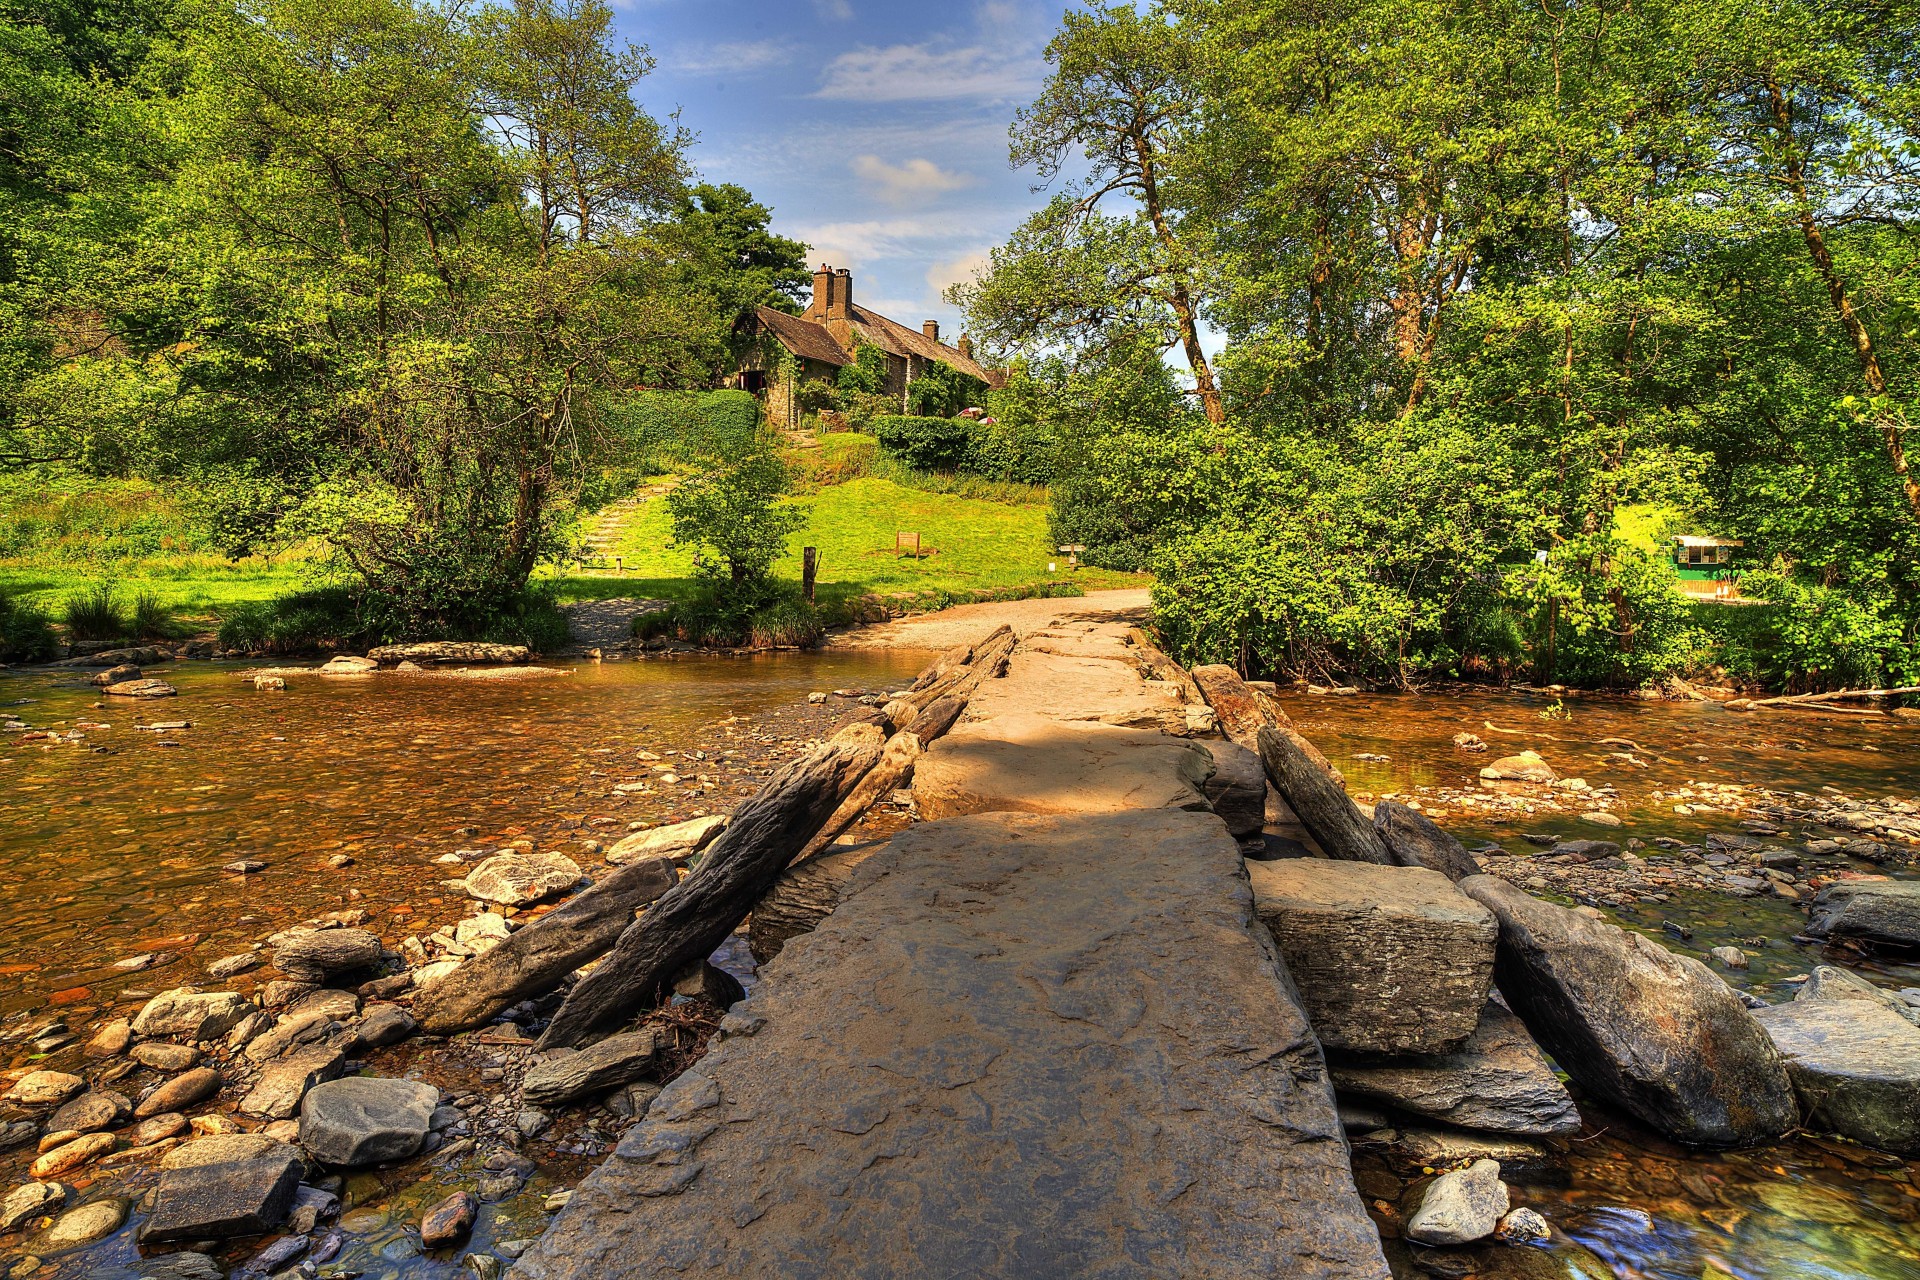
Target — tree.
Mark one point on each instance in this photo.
(1119, 100)
(742, 261)
(733, 509)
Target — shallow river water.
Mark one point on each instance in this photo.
(115, 839)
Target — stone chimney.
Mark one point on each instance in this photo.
(823, 290)
(931, 328)
(840, 297)
(965, 346)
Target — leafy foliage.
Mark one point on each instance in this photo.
(26, 633)
(732, 509)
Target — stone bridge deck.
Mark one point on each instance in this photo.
(1044, 1036)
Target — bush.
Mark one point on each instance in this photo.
(26, 633)
(324, 618)
(685, 427)
(786, 624)
(733, 509)
(151, 619)
(761, 613)
(94, 614)
(533, 619)
(926, 444)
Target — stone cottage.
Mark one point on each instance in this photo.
(814, 346)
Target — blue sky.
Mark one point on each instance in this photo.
(876, 129)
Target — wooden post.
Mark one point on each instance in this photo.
(809, 568)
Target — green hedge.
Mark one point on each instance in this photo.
(926, 444)
(688, 426)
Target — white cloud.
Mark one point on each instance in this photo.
(706, 59)
(857, 244)
(906, 183)
(930, 72)
(834, 10)
(957, 270)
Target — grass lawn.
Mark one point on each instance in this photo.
(967, 545)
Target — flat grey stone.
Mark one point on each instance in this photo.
(218, 1201)
(319, 955)
(1498, 1081)
(1854, 1058)
(285, 1081)
(1027, 763)
(1461, 1206)
(677, 842)
(363, 1120)
(190, 1014)
(1386, 959)
(1880, 912)
(90, 1112)
(33, 1200)
(611, 1062)
(82, 1225)
(997, 1058)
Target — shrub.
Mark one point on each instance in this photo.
(733, 509)
(686, 427)
(926, 444)
(94, 614)
(658, 623)
(786, 624)
(324, 618)
(26, 633)
(762, 613)
(151, 619)
(533, 619)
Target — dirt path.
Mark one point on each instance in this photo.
(969, 622)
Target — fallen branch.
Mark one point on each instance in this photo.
(1321, 804)
(1838, 695)
(696, 915)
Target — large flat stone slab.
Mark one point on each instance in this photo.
(1877, 912)
(1854, 1060)
(1386, 959)
(1028, 763)
(1022, 1046)
(1077, 687)
(1498, 1081)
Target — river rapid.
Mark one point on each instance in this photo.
(116, 839)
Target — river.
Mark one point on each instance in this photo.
(116, 839)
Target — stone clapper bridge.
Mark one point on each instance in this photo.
(1048, 1031)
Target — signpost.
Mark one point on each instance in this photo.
(907, 542)
(1073, 550)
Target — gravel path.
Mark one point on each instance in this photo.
(969, 622)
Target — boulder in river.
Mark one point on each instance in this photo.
(1528, 766)
(1386, 959)
(140, 689)
(1655, 1034)
(318, 955)
(434, 652)
(448, 1222)
(1498, 1081)
(1238, 788)
(179, 1093)
(121, 674)
(517, 879)
(1854, 1055)
(30, 1201)
(230, 1198)
(677, 842)
(91, 1112)
(284, 1082)
(364, 1120)
(1461, 1206)
(82, 1225)
(1877, 912)
(191, 1014)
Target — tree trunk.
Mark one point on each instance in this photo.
(897, 759)
(533, 961)
(1850, 322)
(696, 915)
(1321, 804)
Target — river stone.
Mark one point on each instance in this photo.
(516, 879)
(165, 1057)
(617, 1060)
(45, 1088)
(997, 1058)
(384, 1025)
(1854, 1056)
(191, 1014)
(1461, 1206)
(1525, 767)
(70, 1156)
(217, 1201)
(677, 842)
(34, 1200)
(345, 664)
(1386, 959)
(1655, 1034)
(330, 1002)
(140, 689)
(448, 1222)
(1497, 1081)
(1881, 912)
(284, 1082)
(317, 956)
(168, 1124)
(363, 1120)
(1027, 763)
(234, 966)
(90, 1112)
(1238, 788)
(95, 1220)
(111, 1039)
(177, 1266)
(181, 1092)
(804, 895)
(125, 673)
